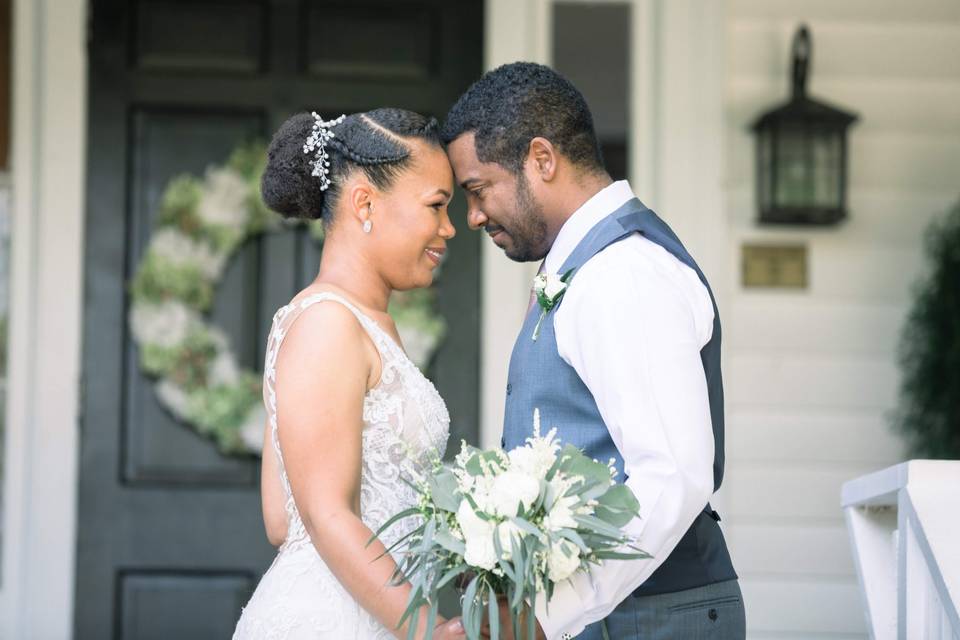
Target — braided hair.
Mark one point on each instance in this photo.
(375, 142)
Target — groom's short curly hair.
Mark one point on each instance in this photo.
(512, 104)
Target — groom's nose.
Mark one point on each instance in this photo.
(476, 219)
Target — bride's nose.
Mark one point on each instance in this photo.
(447, 230)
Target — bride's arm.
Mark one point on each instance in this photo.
(324, 369)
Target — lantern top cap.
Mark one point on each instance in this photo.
(801, 107)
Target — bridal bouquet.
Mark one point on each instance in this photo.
(510, 525)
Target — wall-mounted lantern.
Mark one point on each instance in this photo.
(802, 153)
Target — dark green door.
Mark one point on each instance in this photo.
(170, 541)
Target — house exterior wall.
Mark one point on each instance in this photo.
(812, 376)
(42, 430)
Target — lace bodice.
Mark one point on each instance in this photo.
(405, 423)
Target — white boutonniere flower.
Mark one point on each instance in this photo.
(549, 289)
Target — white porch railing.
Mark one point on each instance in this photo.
(904, 525)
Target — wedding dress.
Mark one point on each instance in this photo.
(404, 420)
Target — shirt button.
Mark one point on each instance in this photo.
(509, 388)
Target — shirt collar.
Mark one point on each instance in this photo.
(598, 207)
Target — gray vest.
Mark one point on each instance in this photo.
(540, 379)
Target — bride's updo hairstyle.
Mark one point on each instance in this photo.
(375, 142)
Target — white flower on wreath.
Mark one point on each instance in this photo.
(164, 325)
(175, 398)
(224, 199)
(180, 249)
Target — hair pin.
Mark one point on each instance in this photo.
(317, 144)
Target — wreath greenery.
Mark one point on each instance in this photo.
(201, 223)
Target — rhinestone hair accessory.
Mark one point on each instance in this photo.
(317, 144)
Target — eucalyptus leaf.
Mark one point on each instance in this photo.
(494, 613)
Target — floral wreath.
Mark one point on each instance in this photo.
(201, 223)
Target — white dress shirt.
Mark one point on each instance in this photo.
(632, 324)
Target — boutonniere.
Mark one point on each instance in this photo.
(549, 289)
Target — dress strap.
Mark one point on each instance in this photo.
(380, 338)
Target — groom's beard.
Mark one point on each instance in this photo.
(528, 229)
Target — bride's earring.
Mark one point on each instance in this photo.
(368, 224)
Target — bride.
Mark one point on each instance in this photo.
(349, 413)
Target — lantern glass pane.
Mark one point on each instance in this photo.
(794, 187)
(765, 166)
(827, 150)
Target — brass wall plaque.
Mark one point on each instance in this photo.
(774, 266)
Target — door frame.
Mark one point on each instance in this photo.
(48, 162)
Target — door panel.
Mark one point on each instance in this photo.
(170, 539)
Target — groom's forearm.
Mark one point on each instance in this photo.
(588, 599)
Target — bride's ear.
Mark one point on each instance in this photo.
(360, 200)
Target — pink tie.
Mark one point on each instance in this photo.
(533, 295)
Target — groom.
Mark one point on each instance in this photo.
(626, 365)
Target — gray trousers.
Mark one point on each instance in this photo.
(714, 611)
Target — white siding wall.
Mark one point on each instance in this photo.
(811, 376)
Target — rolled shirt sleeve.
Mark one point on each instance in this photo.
(632, 325)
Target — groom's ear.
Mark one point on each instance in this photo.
(543, 156)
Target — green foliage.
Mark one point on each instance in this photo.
(217, 410)
(157, 280)
(929, 410)
(179, 204)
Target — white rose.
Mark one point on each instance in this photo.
(563, 560)
(540, 283)
(561, 514)
(223, 370)
(471, 524)
(554, 286)
(480, 552)
(511, 489)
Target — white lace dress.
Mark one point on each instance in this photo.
(404, 418)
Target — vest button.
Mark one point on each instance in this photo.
(712, 614)
(509, 388)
